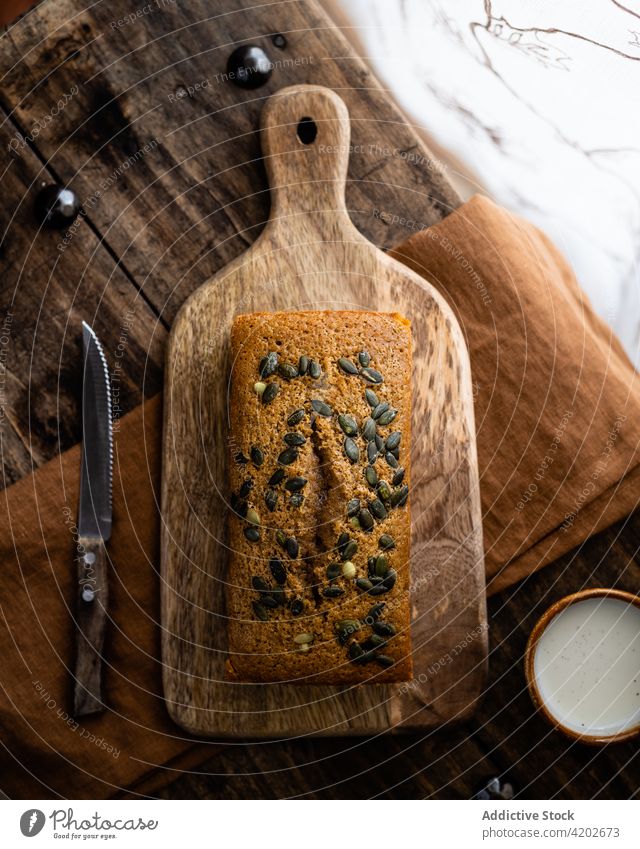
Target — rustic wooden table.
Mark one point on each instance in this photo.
(131, 107)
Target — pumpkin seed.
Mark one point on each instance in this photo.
(391, 460)
(343, 539)
(281, 538)
(380, 409)
(364, 359)
(384, 660)
(270, 393)
(294, 439)
(349, 550)
(297, 606)
(372, 452)
(398, 477)
(399, 496)
(321, 408)
(382, 566)
(257, 456)
(376, 611)
(390, 579)
(296, 417)
(245, 488)
(288, 456)
(351, 449)
(268, 364)
(353, 507)
(348, 425)
(369, 429)
(371, 566)
(380, 589)
(395, 452)
(240, 459)
(304, 647)
(378, 509)
(364, 584)
(287, 371)
(346, 627)
(303, 364)
(377, 641)
(253, 517)
(355, 652)
(260, 611)
(366, 519)
(387, 418)
(386, 542)
(296, 499)
(252, 533)
(371, 398)
(303, 638)
(332, 592)
(334, 570)
(269, 601)
(240, 508)
(384, 491)
(371, 475)
(292, 547)
(393, 440)
(348, 569)
(384, 629)
(371, 375)
(277, 570)
(295, 484)
(315, 369)
(259, 388)
(355, 523)
(276, 477)
(259, 584)
(379, 444)
(347, 366)
(278, 594)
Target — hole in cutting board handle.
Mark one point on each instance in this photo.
(307, 130)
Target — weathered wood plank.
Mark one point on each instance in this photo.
(50, 283)
(186, 209)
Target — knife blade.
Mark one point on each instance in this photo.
(94, 525)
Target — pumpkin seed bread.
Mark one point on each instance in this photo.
(320, 418)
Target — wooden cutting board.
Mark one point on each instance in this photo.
(310, 256)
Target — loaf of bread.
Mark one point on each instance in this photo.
(319, 525)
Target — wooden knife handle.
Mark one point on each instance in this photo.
(91, 620)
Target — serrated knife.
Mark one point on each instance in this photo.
(94, 526)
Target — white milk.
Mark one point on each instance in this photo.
(587, 666)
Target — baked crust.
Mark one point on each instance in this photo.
(271, 650)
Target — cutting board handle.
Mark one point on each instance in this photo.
(305, 140)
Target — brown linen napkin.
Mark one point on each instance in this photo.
(556, 409)
(556, 398)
